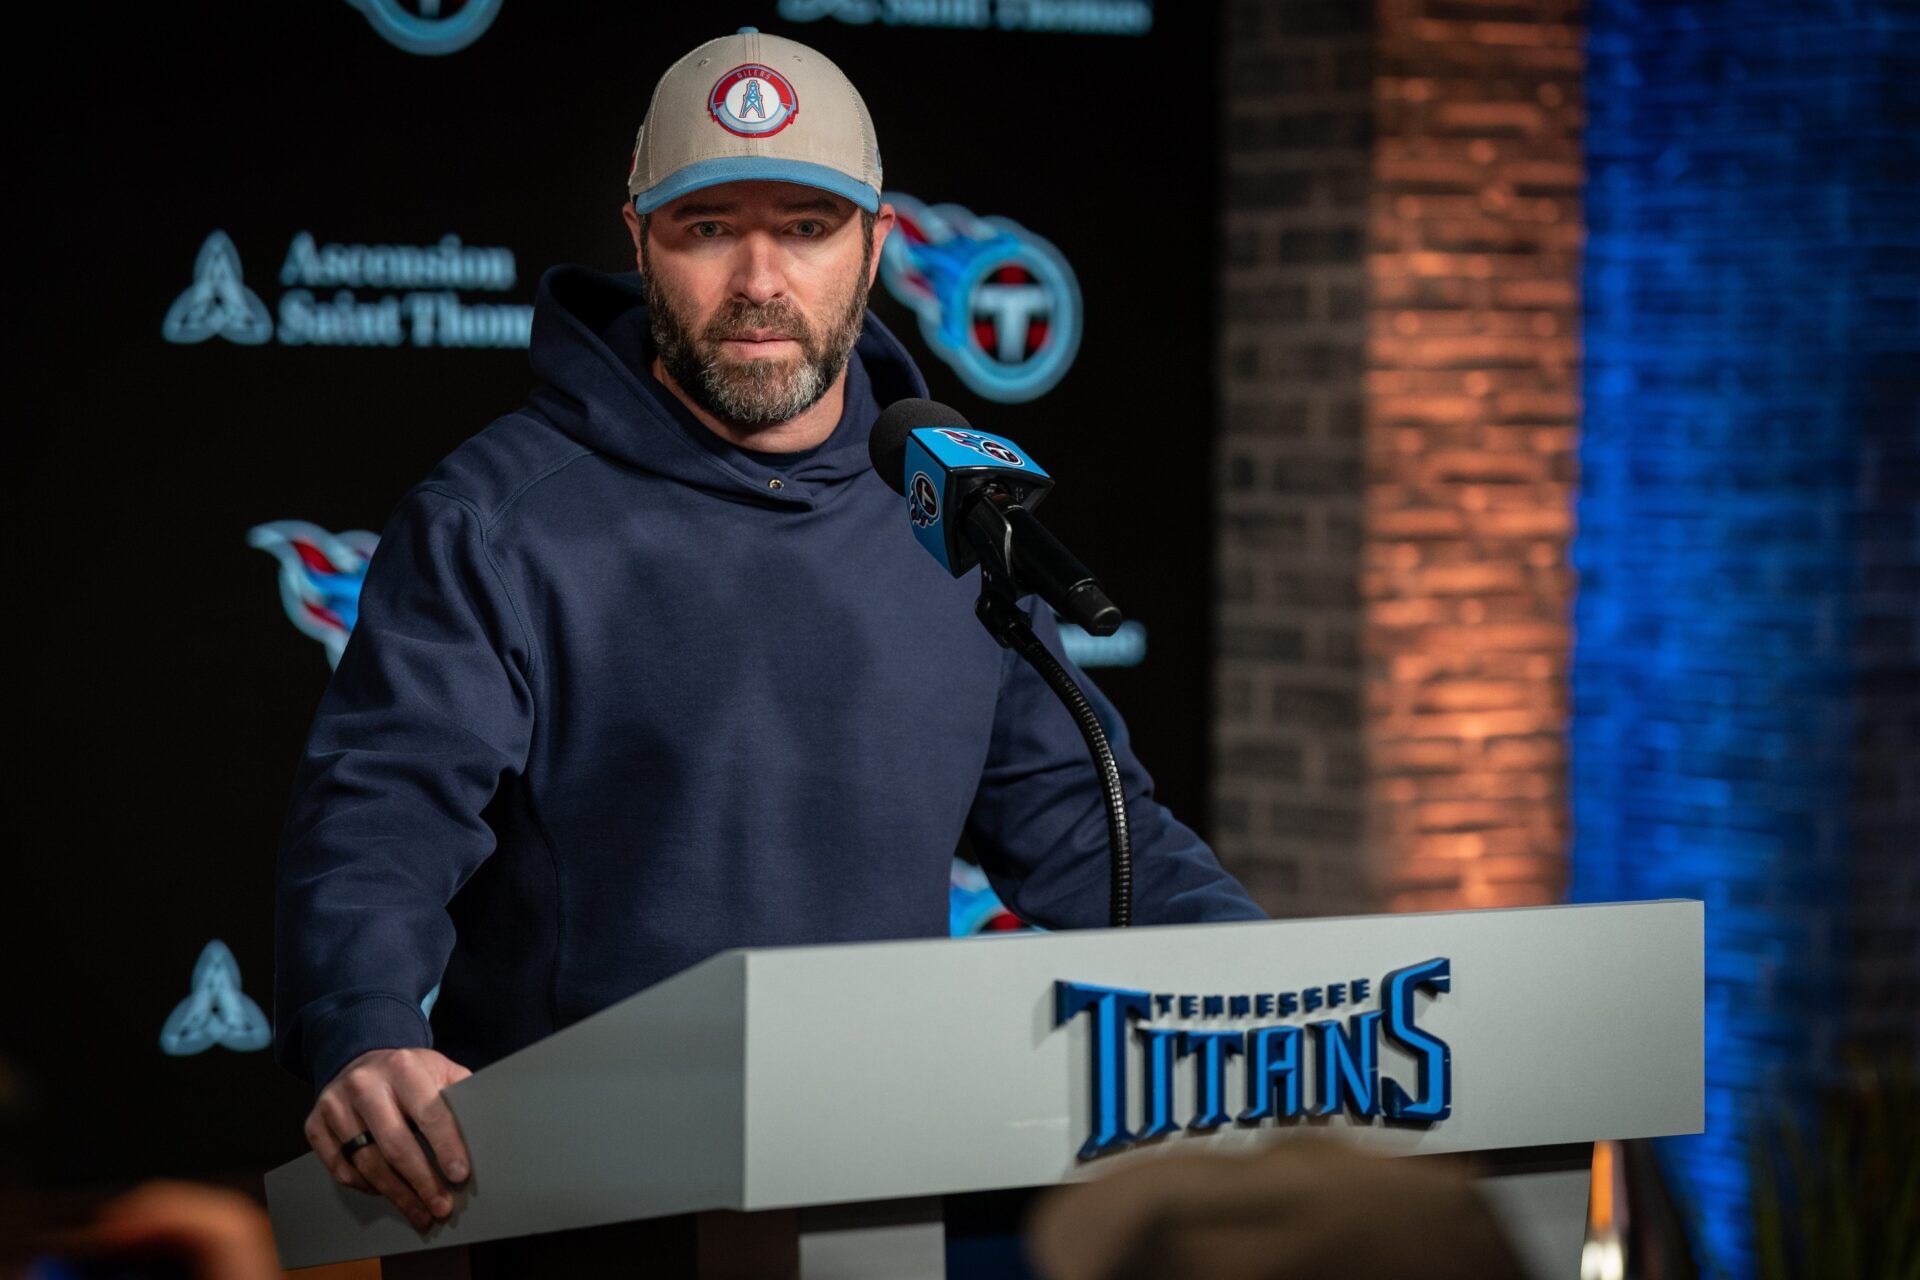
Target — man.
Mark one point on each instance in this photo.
(653, 667)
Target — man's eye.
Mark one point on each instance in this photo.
(808, 227)
(706, 230)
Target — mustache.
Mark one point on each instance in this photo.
(739, 316)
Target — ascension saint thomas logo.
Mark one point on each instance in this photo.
(217, 303)
(216, 1011)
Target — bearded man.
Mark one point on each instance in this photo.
(651, 667)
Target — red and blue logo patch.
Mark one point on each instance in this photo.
(753, 100)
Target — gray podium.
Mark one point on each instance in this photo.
(818, 1110)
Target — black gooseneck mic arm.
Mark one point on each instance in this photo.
(988, 527)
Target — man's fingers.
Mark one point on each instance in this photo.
(403, 1153)
(345, 1122)
(384, 1092)
(420, 1097)
(327, 1147)
(369, 1161)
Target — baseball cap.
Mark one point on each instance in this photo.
(754, 106)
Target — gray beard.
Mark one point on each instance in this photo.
(754, 393)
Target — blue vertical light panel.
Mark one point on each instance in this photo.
(1738, 177)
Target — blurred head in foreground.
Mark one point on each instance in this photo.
(1300, 1209)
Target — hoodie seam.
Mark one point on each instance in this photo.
(513, 603)
(507, 503)
(540, 699)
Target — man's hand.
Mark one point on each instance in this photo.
(381, 1090)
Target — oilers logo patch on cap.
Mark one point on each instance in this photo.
(753, 101)
(730, 111)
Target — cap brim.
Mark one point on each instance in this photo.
(711, 173)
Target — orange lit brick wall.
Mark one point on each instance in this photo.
(1399, 366)
(1472, 378)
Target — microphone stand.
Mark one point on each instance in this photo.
(1006, 622)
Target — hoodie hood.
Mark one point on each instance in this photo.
(592, 349)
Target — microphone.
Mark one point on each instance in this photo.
(970, 497)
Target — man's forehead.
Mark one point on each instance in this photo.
(758, 196)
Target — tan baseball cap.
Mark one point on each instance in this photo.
(754, 106)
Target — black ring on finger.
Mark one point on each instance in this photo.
(362, 1139)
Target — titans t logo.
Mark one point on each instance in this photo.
(424, 29)
(995, 301)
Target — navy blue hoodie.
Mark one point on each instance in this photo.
(614, 703)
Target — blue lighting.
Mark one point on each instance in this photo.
(1727, 290)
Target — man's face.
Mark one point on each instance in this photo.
(756, 292)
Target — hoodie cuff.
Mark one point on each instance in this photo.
(372, 1022)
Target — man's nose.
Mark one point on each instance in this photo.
(759, 275)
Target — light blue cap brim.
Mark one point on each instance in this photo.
(711, 173)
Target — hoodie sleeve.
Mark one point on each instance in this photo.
(430, 706)
(1039, 823)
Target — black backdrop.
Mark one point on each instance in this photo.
(165, 695)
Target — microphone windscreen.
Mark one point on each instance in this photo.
(887, 446)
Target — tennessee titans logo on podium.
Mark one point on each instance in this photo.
(923, 501)
(320, 576)
(429, 33)
(216, 303)
(753, 101)
(995, 301)
(217, 1012)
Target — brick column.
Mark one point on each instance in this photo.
(1288, 798)
(1472, 380)
(1398, 369)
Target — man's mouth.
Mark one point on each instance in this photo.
(760, 348)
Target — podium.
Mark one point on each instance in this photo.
(829, 1111)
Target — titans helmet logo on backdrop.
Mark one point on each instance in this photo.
(753, 101)
(429, 32)
(217, 1011)
(320, 577)
(1339, 1056)
(972, 905)
(995, 301)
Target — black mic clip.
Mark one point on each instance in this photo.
(1018, 555)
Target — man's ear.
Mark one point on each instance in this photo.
(633, 230)
(882, 223)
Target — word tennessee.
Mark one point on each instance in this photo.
(1344, 1054)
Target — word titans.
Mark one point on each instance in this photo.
(1345, 1054)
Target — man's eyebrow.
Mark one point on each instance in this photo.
(693, 211)
(688, 212)
(814, 204)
